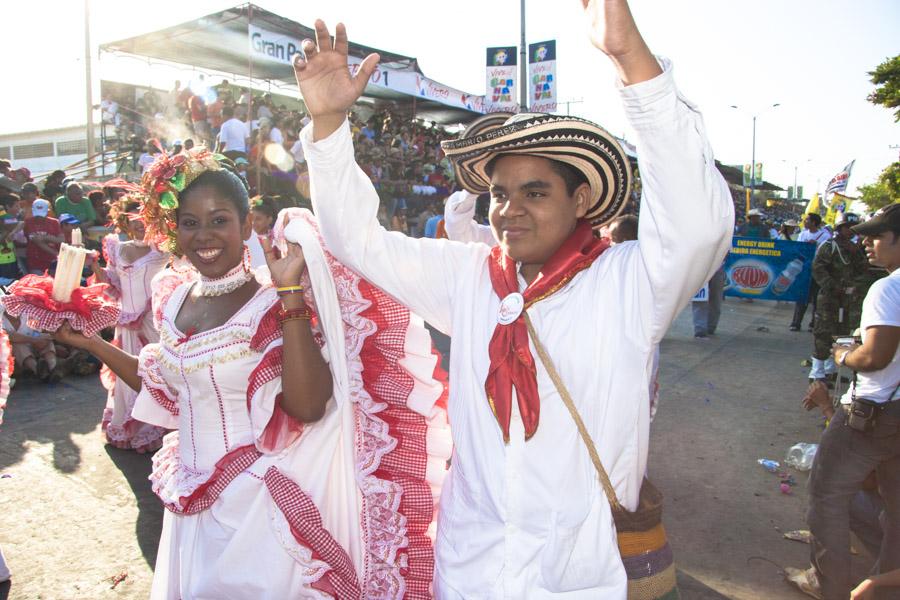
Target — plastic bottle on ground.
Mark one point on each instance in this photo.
(801, 456)
(769, 465)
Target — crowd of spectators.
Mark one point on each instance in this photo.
(401, 155)
(34, 222)
(261, 135)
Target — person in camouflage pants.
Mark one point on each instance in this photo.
(841, 270)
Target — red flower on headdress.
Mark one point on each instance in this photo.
(166, 167)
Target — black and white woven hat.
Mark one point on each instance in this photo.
(583, 145)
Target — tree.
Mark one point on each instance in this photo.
(884, 191)
(887, 75)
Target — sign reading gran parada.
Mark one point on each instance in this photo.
(276, 47)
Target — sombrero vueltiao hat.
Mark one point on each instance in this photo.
(583, 145)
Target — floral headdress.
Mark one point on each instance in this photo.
(119, 216)
(162, 185)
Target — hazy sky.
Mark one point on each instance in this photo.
(810, 56)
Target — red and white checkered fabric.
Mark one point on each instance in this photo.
(268, 330)
(404, 466)
(153, 380)
(29, 299)
(281, 430)
(391, 457)
(229, 466)
(301, 513)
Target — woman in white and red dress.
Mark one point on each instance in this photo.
(310, 440)
(130, 268)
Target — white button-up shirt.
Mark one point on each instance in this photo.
(530, 519)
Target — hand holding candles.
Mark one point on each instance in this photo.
(69, 266)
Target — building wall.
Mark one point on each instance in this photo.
(47, 150)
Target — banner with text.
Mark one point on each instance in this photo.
(542, 76)
(751, 175)
(769, 269)
(276, 47)
(270, 46)
(502, 72)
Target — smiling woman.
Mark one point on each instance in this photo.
(275, 466)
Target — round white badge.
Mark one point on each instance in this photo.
(510, 308)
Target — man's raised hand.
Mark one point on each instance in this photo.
(325, 82)
(613, 31)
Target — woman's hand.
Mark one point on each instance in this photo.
(286, 271)
(68, 336)
(324, 78)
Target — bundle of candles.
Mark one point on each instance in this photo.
(69, 266)
(47, 302)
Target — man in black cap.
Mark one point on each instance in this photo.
(505, 529)
(864, 434)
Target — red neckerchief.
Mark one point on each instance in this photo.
(511, 361)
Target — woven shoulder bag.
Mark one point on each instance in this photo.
(643, 545)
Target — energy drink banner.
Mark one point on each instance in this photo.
(501, 94)
(769, 269)
(542, 76)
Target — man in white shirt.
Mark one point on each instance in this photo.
(297, 153)
(275, 135)
(109, 110)
(504, 529)
(813, 230)
(865, 435)
(459, 221)
(813, 233)
(232, 135)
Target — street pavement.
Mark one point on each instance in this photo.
(78, 519)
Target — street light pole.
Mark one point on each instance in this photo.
(523, 63)
(753, 163)
(89, 102)
(753, 154)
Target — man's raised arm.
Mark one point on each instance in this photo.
(687, 214)
(420, 273)
(459, 223)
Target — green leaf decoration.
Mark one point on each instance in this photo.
(168, 201)
(178, 182)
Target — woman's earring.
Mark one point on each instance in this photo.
(248, 266)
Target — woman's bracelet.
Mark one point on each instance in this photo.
(287, 319)
(289, 289)
(295, 314)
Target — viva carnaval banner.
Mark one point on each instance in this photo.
(769, 269)
(501, 94)
(542, 76)
(276, 47)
